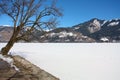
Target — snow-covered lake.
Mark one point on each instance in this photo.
(90, 61)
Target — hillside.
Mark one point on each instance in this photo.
(94, 30)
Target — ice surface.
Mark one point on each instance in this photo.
(90, 61)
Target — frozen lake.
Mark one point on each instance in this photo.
(90, 61)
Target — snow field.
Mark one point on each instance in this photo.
(90, 61)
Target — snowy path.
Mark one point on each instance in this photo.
(74, 61)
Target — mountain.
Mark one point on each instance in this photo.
(5, 33)
(89, 27)
(94, 30)
(65, 35)
(100, 30)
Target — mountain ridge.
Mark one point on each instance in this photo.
(94, 30)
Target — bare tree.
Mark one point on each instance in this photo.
(33, 13)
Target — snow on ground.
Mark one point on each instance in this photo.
(91, 61)
(104, 39)
(113, 24)
(9, 61)
(104, 22)
(61, 34)
(76, 28)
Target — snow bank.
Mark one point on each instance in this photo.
(9, 61)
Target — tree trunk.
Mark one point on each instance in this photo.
(11, 42)
(9, 45)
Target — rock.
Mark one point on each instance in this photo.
(27, 71)
(6, 71)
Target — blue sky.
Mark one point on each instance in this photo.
(78, 11)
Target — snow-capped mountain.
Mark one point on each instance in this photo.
(89, 27)
(94, 30)
(109, 30)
